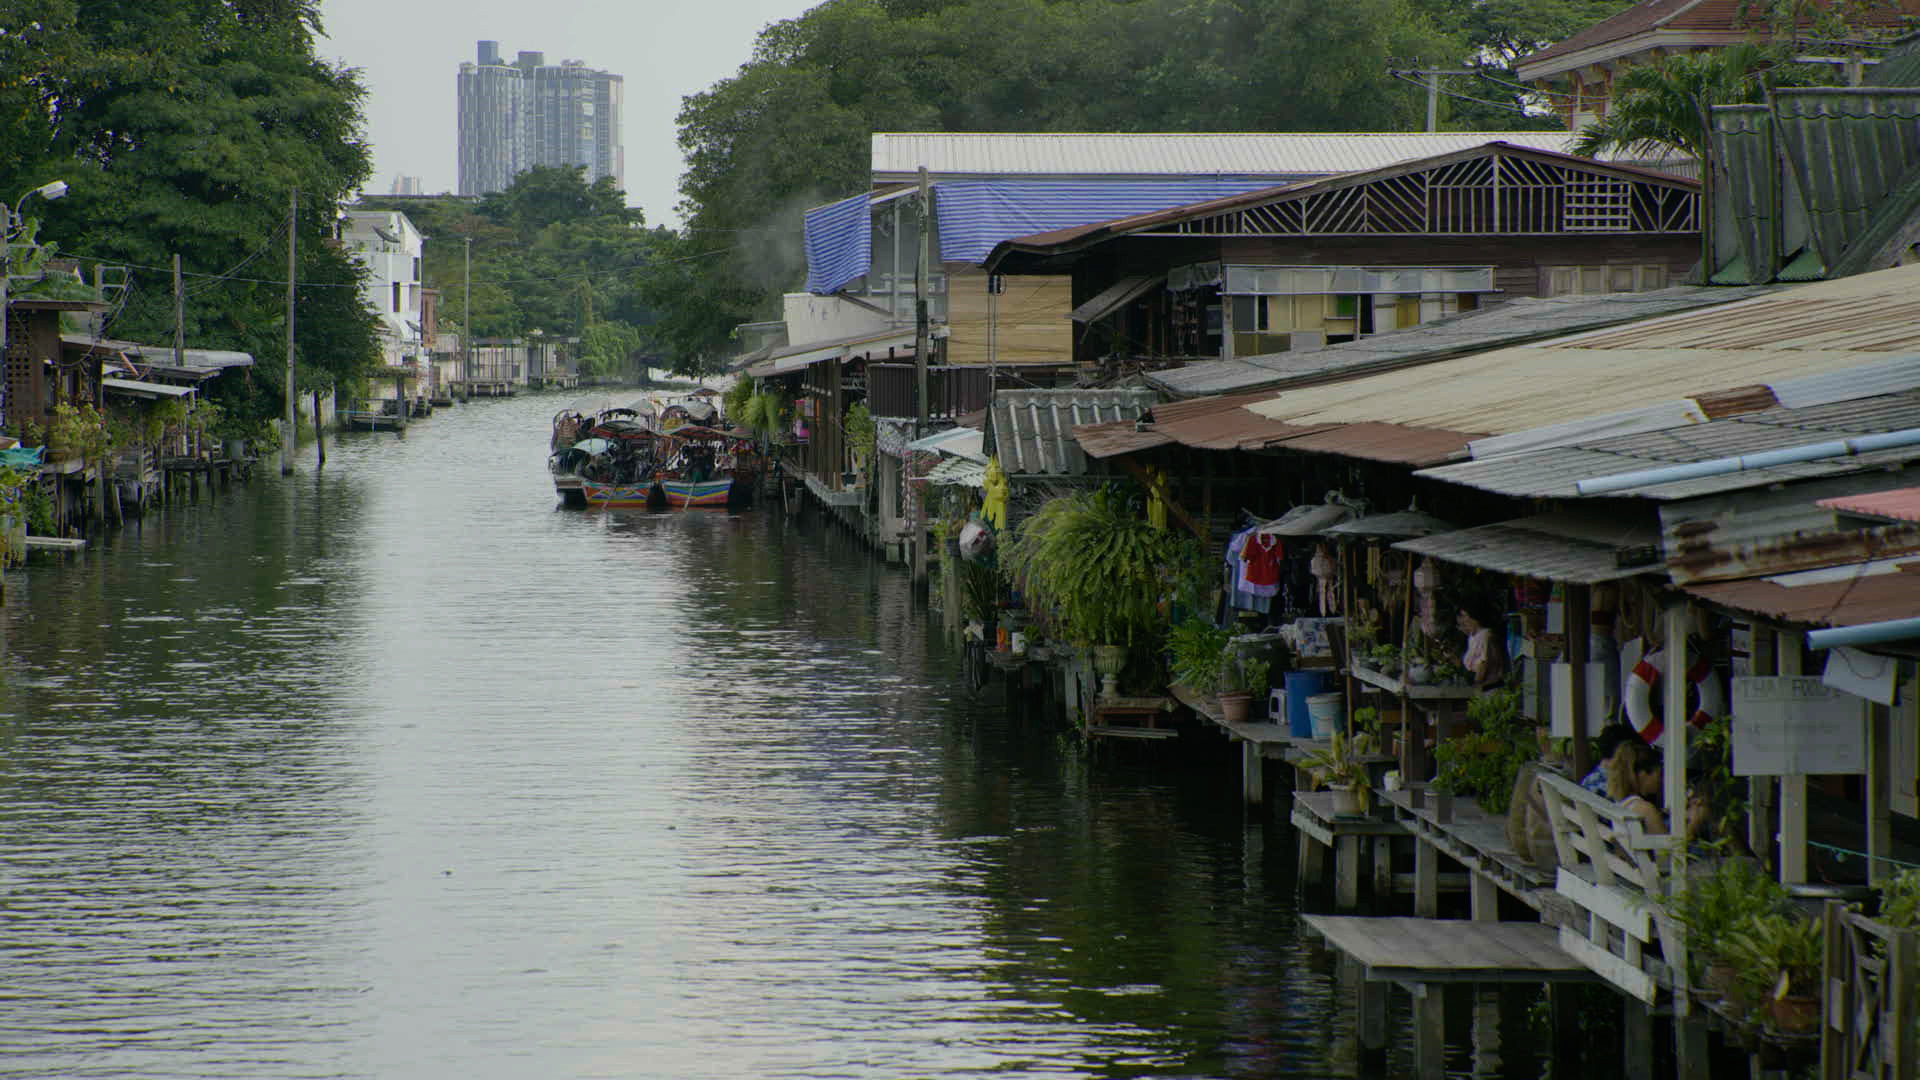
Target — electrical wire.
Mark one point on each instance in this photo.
(608, 272)
(1510, 107)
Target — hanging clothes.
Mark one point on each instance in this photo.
(1260, 557)
(1238, 595)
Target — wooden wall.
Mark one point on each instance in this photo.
(1032, 322)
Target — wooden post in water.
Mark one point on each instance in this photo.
(319, 436)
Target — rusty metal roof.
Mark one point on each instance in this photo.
(1032, 433)
(1751, 533)
(1848, 595)
(1224, 423)
(1899, 504)
(1579, 548)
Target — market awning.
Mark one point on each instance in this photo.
(1576, 548)
(960, 472)
(141, 389)
(1116, 296)
(1879, 590)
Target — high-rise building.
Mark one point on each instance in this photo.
(527, 113)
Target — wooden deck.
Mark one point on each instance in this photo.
(1258, 741)
(1426, 955)
(1451, 950)
(1458, 829)
(1322, 831)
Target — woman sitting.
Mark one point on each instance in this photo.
(1605, 746)
(1635, 776)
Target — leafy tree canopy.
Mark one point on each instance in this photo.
(183, 127)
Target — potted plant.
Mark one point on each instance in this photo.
(1096, 562)
(1709, 907)
(1777, 962)
(1338, 767)
(1385, 659)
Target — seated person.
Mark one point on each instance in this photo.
(1635, 776)
(1605, 745)
(1486, 655)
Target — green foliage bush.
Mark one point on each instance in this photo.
(1484, 763)
(1095, 562)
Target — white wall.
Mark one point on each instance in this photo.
(828, 318)
(394, 262)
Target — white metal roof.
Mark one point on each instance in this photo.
(1820, 329)
(898, 156)
(139, 388)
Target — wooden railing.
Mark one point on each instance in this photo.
(1869, 1028)
(1610, 869)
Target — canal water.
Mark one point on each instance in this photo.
(394, 770)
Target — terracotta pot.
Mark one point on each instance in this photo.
(1795, 1014)
(1234, 705)
(1722, 980)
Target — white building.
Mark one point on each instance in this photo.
(390, 247)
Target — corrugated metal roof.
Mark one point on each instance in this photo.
(1811, 329)
(1031, 431)
(898, 156)
(1504, 324)
(960, 472)
(1552, 472)
(1899, 504)
(1578, 548)
(1748, 533)
(1225, 424)
(1866, 596)
(1674, 23)
(1849, 147)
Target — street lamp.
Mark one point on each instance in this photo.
(9, 224)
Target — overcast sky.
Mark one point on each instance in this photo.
(409, 52)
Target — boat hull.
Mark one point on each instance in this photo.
(705, 493)
(568, 487)
(617, 494)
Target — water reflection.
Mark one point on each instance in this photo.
(395, 771)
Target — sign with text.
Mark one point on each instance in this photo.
(1789, 725)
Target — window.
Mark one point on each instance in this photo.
(397, 287)
(1249, 314)
(1599, 280)
(416, 268)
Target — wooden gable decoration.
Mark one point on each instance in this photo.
(1492, 190)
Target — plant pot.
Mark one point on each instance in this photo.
(1722, 980)
(1346, 802)
(1795, 1014)
(1234, 705)
(1108, 662)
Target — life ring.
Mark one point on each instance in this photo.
(1638, 696)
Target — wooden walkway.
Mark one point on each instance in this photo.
(1258, 741)
(1458, 829)
(1451, 950)
(1426, 955)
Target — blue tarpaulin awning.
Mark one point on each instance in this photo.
(839, 244)
(975, 215)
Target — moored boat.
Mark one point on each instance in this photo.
(683, 494)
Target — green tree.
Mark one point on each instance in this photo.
(183, 126)
(1665, 104)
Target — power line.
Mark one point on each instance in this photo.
(1507, 105)
(218, 278)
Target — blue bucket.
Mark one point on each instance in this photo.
(1302, 685)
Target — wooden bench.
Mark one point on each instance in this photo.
(1610, 868)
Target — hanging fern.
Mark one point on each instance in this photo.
(1094, 562)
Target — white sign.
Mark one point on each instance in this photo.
(1860, 673)
(1792, 725)
(1598, 705)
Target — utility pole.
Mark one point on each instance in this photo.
(179, 315)
(1433, 91)
(293, 260)
(922, 338)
